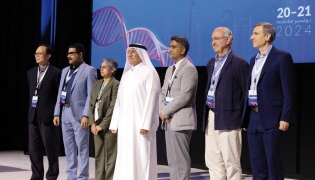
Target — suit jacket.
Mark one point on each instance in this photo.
(80, 90)
(276, 90)
(182, 109)
(106, 104)
(229, 93)
(47, 94)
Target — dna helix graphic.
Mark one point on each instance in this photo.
(108, 27)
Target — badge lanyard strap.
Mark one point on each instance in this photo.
(257, 71)
(68, 78)
(100, 92)
(39, 80)
(215, 75)
(170, 83)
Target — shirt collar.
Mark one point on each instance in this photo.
(75, 67)
(222, 57)
(178, 63)
(43, 68)
(258, 56)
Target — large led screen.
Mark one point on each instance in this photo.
(117, 23)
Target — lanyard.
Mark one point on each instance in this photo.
(170, 82)
(101, 90)
(258, 71)
(69, 77)
(216, 74)
(39, 80)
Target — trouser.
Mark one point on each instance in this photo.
(223, 152)
(76, 142)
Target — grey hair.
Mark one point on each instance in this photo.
(226, 33)
(111, 63)
(268, 29)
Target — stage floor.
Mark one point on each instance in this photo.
(14, 165)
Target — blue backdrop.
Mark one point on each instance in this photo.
(117, 23)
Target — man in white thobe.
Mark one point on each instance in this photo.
(136, 117)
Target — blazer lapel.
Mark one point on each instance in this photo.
(79, 72)
(225, 65)
(252, 63)
(107, 87)
(181, 65)
(34, 76)
(210, 72)
(268, 61)
(48, 72)
(211, 68)
(96, 89)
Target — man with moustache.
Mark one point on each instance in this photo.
(73, 99)
(270, 100)
(178, 108)
(43, 81)
(136, 117)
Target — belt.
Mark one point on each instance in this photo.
(212, 109)
(66, 105)
(254, 108)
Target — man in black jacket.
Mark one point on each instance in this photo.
(43, 81)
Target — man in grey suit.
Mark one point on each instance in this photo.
(73, 98)
(178, 108)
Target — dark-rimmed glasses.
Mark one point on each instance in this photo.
(71, 53)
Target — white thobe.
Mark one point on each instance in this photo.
(136, 108)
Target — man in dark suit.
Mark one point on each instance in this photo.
(270, 99)
(227, 74)
(43, 81)
(178, 108)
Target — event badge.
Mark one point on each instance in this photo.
(34, 101)
(210, 98)
(63, 97)
(96, 116)
(168, 100)
(252, 98)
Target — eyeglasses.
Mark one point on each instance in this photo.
(71, 53)
(217, 38)
(39, 54)
(104, 67)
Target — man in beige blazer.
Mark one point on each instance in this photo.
(178, 108)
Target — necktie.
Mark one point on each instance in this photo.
(174, 68)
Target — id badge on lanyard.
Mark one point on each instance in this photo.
(34, 101)
(210, 98)
(252, 98)
(96, 113)
(63, 97)
(97, 105)
(35, 97)
(168, 100)
(64, 92)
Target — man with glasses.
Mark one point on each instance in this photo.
(222, 118)
(43, 81)
(73, 100)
